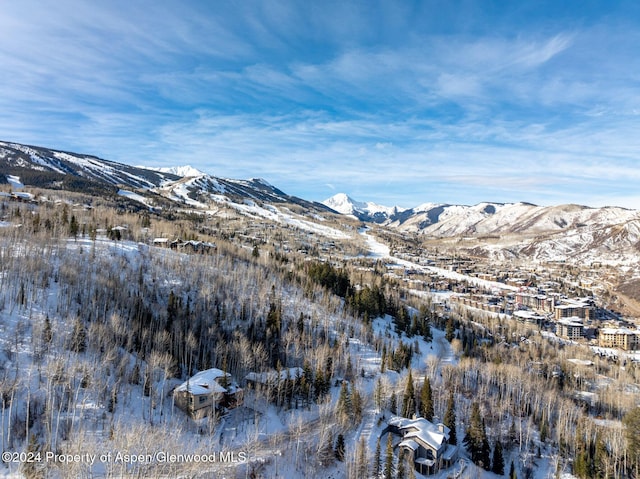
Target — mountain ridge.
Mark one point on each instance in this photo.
(520, 229)
(56, 169)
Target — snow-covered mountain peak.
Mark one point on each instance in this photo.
(343, 204)
(183, 171)
(261, 181)
(366, 211)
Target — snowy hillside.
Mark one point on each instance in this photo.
(306, 339)
(182, 171)
(184, 185)
(542, 233)
(59, 164)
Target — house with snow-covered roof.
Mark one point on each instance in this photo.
(206, 391)
(424, 444)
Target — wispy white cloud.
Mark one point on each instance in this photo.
(380, 101)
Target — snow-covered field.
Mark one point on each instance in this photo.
(15, 182)
(134, 196)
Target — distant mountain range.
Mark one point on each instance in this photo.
(494, 230)
(47, 168)
(514, 230)
(440, 219)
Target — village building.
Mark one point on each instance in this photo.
(620, 338)
(539, 302)
(528, 317)
(207, 391)
(426, 445)
(582, 308)
(570, 328)
(161, 242)
(192, 246)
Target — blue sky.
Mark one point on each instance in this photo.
(396, 102)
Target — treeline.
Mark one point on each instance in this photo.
(366, 301)
(370, 301)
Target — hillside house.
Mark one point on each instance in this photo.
(207, 391)
(161, 242)
(192, 246)
(425, 444)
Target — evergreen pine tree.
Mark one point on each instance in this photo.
(33, 469)
(472, 433)
(388, 462)
(22, 295)
(74, 227)
(344, 408)
(426, 400)
(356, 404)
(47, 333)
(348, 372)
(383, 360)
(361, 458)
(426, 331)
(631, 421)
(450, 419)
(450, 330)
(512, 471)
(393, 407)
(583, 461)
(78, 337)
(320, 385)
(375, 467)
(512, 433)
(475, 439)
(326, 453)
(485, 458)
(339, 451)
(497, 464)
(400, 470)
(408, 398)
(600, 458)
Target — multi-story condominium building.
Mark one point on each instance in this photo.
(581, 308)
(570, 328)
(620, 338)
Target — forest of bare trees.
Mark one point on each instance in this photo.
(98, 328)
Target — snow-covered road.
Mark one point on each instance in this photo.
(382, 251)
